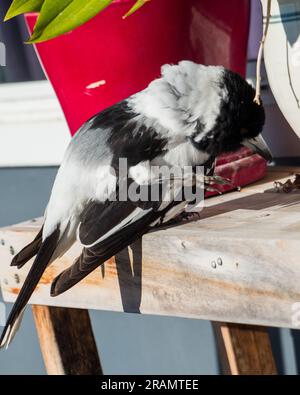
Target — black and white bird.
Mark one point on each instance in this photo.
(187, 117)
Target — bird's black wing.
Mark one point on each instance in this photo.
(105, 229)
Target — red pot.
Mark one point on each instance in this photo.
(125, 55)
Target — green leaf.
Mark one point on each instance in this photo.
(61, 16)
(21, 6)
(135, 7)
(49, 11)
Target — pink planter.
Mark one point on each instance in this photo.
(125, 55)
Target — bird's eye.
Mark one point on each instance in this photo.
(244, 131)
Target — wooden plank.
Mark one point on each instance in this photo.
(244, 349)
(239, 263)
(67, 341)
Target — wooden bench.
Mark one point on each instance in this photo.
(237, 266)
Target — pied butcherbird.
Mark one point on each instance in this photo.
(187, 117)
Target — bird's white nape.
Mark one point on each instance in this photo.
(185, 94)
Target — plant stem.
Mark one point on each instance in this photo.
(260, 53)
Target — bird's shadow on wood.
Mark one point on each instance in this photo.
(129, 270)
(257, 201)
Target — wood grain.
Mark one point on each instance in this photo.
(238, 263)
(244, 349)
(67, 341)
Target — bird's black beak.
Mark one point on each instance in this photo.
(259, 146)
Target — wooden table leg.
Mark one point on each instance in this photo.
(244, 349)
(67, 341)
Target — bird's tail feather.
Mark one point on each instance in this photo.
(29, 251)
(72, 275)
(12, 330)
(39, 265)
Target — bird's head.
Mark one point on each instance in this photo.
(238, 120)
(210, 106)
